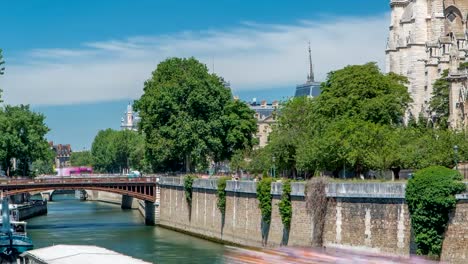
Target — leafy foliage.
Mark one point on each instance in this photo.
(188, 182)
(439, 104)
(113, 151)
(362, 92)
(356, 125)
(189, 117)
(81, 158)
(264, 198)
(430, 198)
(221, 194)
(22, 138)
(344, 127)
(44, 165)
(285, 206)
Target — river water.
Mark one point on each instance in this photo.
(71, 221)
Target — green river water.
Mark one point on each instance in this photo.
(74, 222)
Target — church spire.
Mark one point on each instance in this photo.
(310, 76)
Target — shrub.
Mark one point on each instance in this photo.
(264, 197)
(430, 196)
(285, 207)
(188, 182)
(221, 194)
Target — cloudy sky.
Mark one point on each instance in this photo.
(81, 62)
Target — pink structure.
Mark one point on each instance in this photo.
(69, 171)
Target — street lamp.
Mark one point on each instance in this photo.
(455, 150)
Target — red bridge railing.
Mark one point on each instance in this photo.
(72, 180)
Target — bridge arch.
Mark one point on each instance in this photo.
(140, 188)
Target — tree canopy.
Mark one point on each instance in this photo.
(189, 117)
(81, 158)
(439, 103)
(22, 138)
(350, 126)
(114, 151)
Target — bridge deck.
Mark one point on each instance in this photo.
(141, 187)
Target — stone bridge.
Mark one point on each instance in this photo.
(143, 188)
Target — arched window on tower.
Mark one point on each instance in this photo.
(453, 20)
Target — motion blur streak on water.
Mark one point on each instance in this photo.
(70, 221)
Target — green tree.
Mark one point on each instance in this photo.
(81, 158)
(239, 125)
(363, 92)
(187, 115)
(430, 196)
(22, 138)
(45, 165)
(238, 162)
(128, 146)
(439, 103)
(260, 161)
(349, 123)
(104, 152)
(292, 127)
(114, 151)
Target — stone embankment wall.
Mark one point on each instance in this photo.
(151, 215)
(368, 216)
(108, 197)
(455, 247)
(31, 209)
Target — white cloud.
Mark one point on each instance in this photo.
(250, 56)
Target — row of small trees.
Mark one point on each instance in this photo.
(114, 151)
(189, 119)
(357, 125)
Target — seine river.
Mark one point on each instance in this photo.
(71, 221)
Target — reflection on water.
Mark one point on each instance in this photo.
(70, 221)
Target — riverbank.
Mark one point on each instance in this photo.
(360, 216)
(28, 210)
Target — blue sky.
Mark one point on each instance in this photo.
(81, 62)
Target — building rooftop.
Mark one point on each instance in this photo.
(61, 150)
(74, 254)
(263, 110)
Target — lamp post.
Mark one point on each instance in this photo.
(455, 150)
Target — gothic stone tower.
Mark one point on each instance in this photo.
(427, 37)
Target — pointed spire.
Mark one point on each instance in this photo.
(310, 76)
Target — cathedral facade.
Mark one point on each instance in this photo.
(427, 37)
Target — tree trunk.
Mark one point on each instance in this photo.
(396, 173)
(187, 163)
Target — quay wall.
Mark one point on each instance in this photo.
(363, 216)
(31, 209)
(108, 197)
(114, 198)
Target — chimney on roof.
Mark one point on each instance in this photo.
(264, 103)
(275, 104)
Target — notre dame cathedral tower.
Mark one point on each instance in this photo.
(427, 37)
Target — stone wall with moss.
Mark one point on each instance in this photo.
(368, 216)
